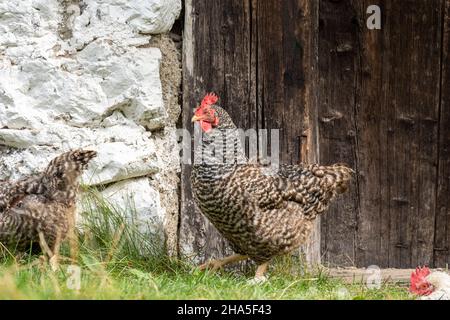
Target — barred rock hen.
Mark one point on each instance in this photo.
(262, 213)
(43, 204)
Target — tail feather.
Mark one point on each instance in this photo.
(314, 186)
(339, 177)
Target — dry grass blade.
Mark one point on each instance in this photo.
(115, 243)
(54, 260)
(44, 246)
(73, 241)
(3, 247)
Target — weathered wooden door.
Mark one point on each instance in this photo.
(379, 98)
(260, 57)
(384, 109)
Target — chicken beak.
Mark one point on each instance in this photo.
(196, 118)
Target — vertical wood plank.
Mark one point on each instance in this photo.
(338, 69)
(217, 40)
(391, 79)
(397, 118)
(427, 85)
(287, 83)
(372, 118)
(442, 236)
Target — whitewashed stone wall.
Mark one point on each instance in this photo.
(84, 73)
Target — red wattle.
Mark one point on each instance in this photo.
(206, 126)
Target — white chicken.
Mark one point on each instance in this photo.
(430, 285)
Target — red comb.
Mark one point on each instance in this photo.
(209, 99)
(204, 108)
(417, 276)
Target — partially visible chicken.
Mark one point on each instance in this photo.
(430, 285)
(261, 212)
(44, 205)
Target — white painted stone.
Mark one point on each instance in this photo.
(118, 161)
(129, 20)
(100, 81)
(141, 203)
(125, 150)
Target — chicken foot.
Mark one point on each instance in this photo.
(260, 274)
(216, 264)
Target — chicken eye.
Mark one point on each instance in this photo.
(423, 286)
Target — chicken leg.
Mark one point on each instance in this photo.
(216, 264)
(259, 275)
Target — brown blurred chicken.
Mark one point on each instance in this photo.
(40, 209)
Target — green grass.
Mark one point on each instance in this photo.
(112, 267)
(104, 281)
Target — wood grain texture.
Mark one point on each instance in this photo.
(442, 232)
(382, 86)
(397, 153)
(287, 87)
(338, 66)
(260, 57)
(377, 100)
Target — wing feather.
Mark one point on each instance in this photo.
(311, 187)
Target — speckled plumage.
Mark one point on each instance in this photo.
(44, 203)
(10, 193)
(261, 212)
